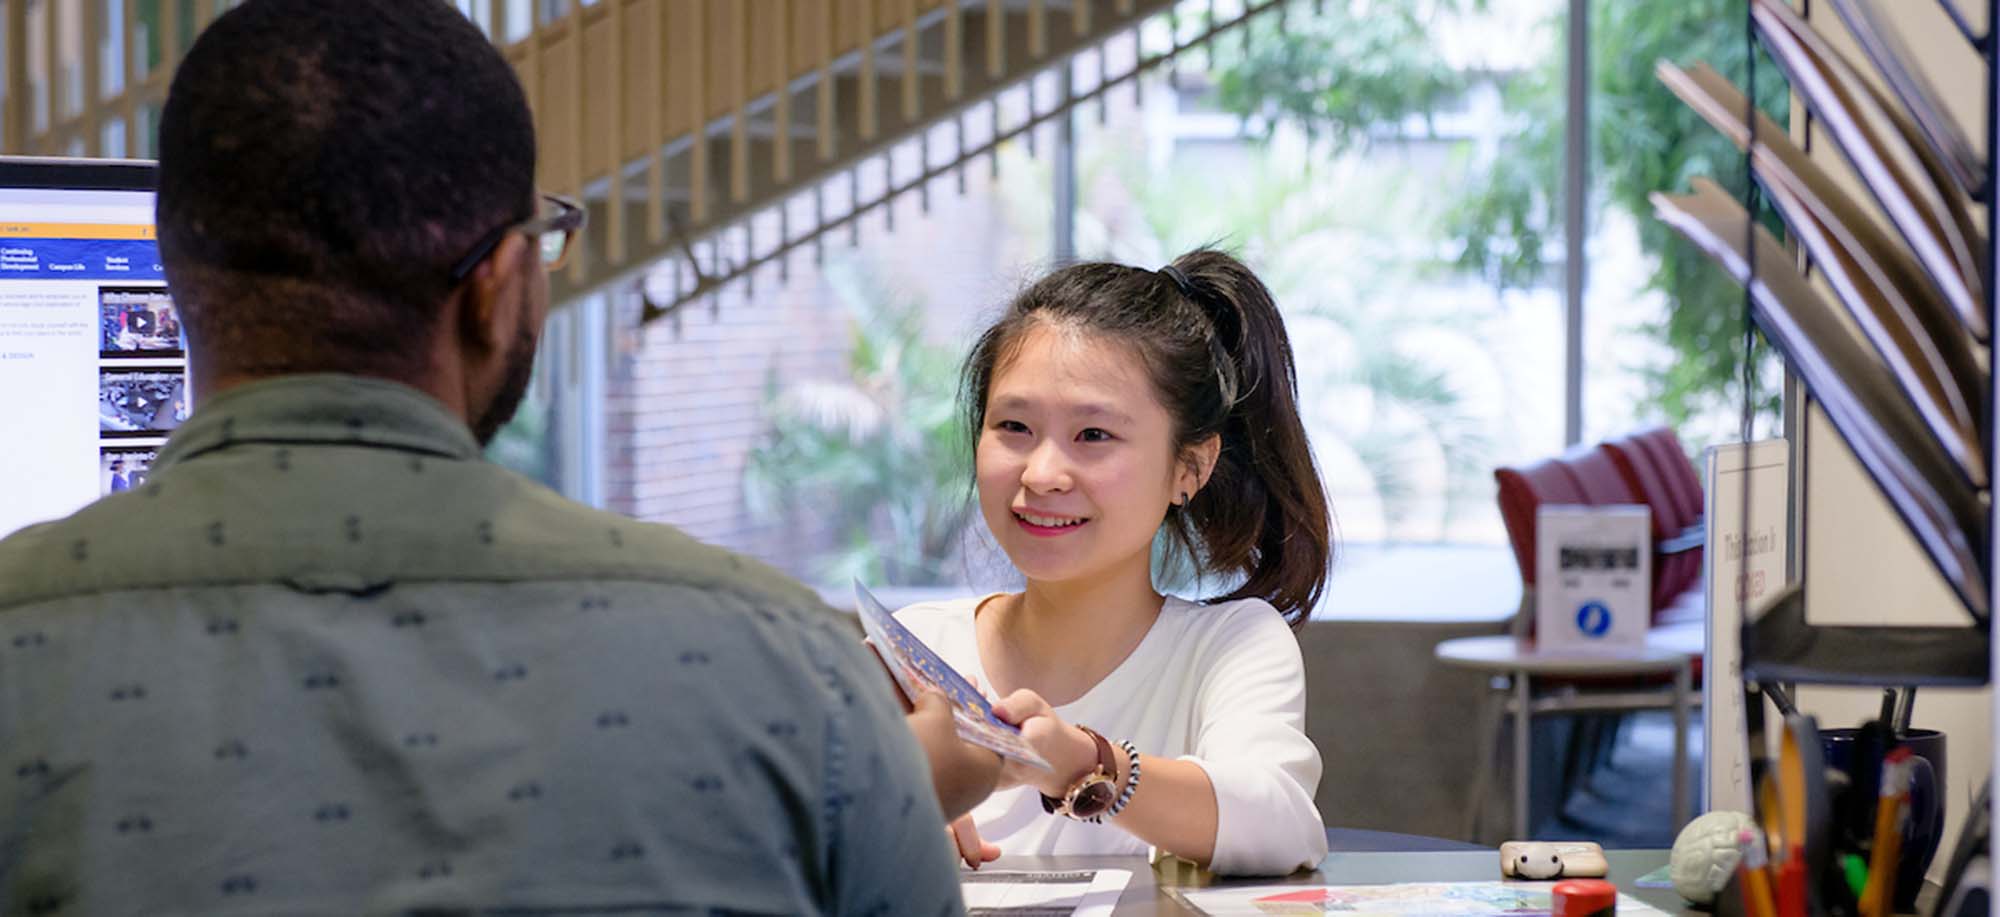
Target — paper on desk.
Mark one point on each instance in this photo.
(1071, 893)
(1514, 899)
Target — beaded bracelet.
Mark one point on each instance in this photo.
(1131, 780)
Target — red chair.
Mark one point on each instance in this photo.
(1677, 561)
(1602, 482)
(1681, 477)
(1523, 491)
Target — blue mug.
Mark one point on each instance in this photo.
(1924, 829)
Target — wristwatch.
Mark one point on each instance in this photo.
(1093, 793)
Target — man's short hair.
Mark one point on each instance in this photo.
(322, 166)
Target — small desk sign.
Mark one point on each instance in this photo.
(1748, 519)
(1593, 576)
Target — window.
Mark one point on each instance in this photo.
(1394, 171)
(1335, 152)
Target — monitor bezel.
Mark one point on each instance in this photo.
(68, 174)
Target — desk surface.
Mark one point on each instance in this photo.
(1146, 895)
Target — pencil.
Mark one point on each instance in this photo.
(1879, 894)
(1752, 874)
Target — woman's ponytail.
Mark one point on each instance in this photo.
(1263, 514)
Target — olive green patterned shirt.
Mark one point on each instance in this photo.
(327, 660)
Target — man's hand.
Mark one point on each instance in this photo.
(961, 773)
(894, 685)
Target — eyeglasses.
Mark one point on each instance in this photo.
(554, 228)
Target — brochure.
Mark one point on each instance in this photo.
(917, 669)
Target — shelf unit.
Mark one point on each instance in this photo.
(1781, 646)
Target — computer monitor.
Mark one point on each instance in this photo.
(93, 360)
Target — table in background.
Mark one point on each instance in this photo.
(1669, 651)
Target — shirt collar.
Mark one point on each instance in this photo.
(322, 410)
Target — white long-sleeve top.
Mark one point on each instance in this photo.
(1220, 685)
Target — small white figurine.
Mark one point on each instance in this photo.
(1538, 861)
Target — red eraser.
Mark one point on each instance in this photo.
(1584, 898)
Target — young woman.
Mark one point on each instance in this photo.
(1113, 408)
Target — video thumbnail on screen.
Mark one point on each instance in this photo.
(122, 468)
(141, 402)
(137, 322)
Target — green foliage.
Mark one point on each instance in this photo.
(1345, 72)
(1330, 246)
(879, 451)
(1509, 218)
(1646, 140)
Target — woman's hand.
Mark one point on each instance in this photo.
(1070, 751)
(965, 836)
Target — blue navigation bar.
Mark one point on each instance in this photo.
(80, 259)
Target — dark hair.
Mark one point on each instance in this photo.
(1221, 363)
(322, 165)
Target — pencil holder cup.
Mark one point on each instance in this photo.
(1925, 827)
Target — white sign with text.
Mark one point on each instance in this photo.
(1748, 514)
(1593, 577)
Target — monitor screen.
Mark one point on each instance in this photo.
(93, 363)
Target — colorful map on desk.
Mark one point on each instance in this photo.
(1516, 899)
(917, 669)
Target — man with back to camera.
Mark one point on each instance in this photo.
(327, 659)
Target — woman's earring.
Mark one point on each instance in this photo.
(1184, 499)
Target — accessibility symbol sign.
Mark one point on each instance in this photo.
(1593, 619)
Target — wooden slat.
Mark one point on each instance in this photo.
(135, 80)
(1079, 16)
(93, 77)
(655, 97)
(1038, 28)
(781, 108)
(170, 47)
(954, 55)
(579, 101)
(17, 103)
(909, 61)
(698, 153)
(865, 26)
(996, 39)
(531, 79)
(739, 101)
(825, 102)
(52, 78)
(614, 129)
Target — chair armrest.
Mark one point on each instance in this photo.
(1690, 538)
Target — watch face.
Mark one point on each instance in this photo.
(1093, 798)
